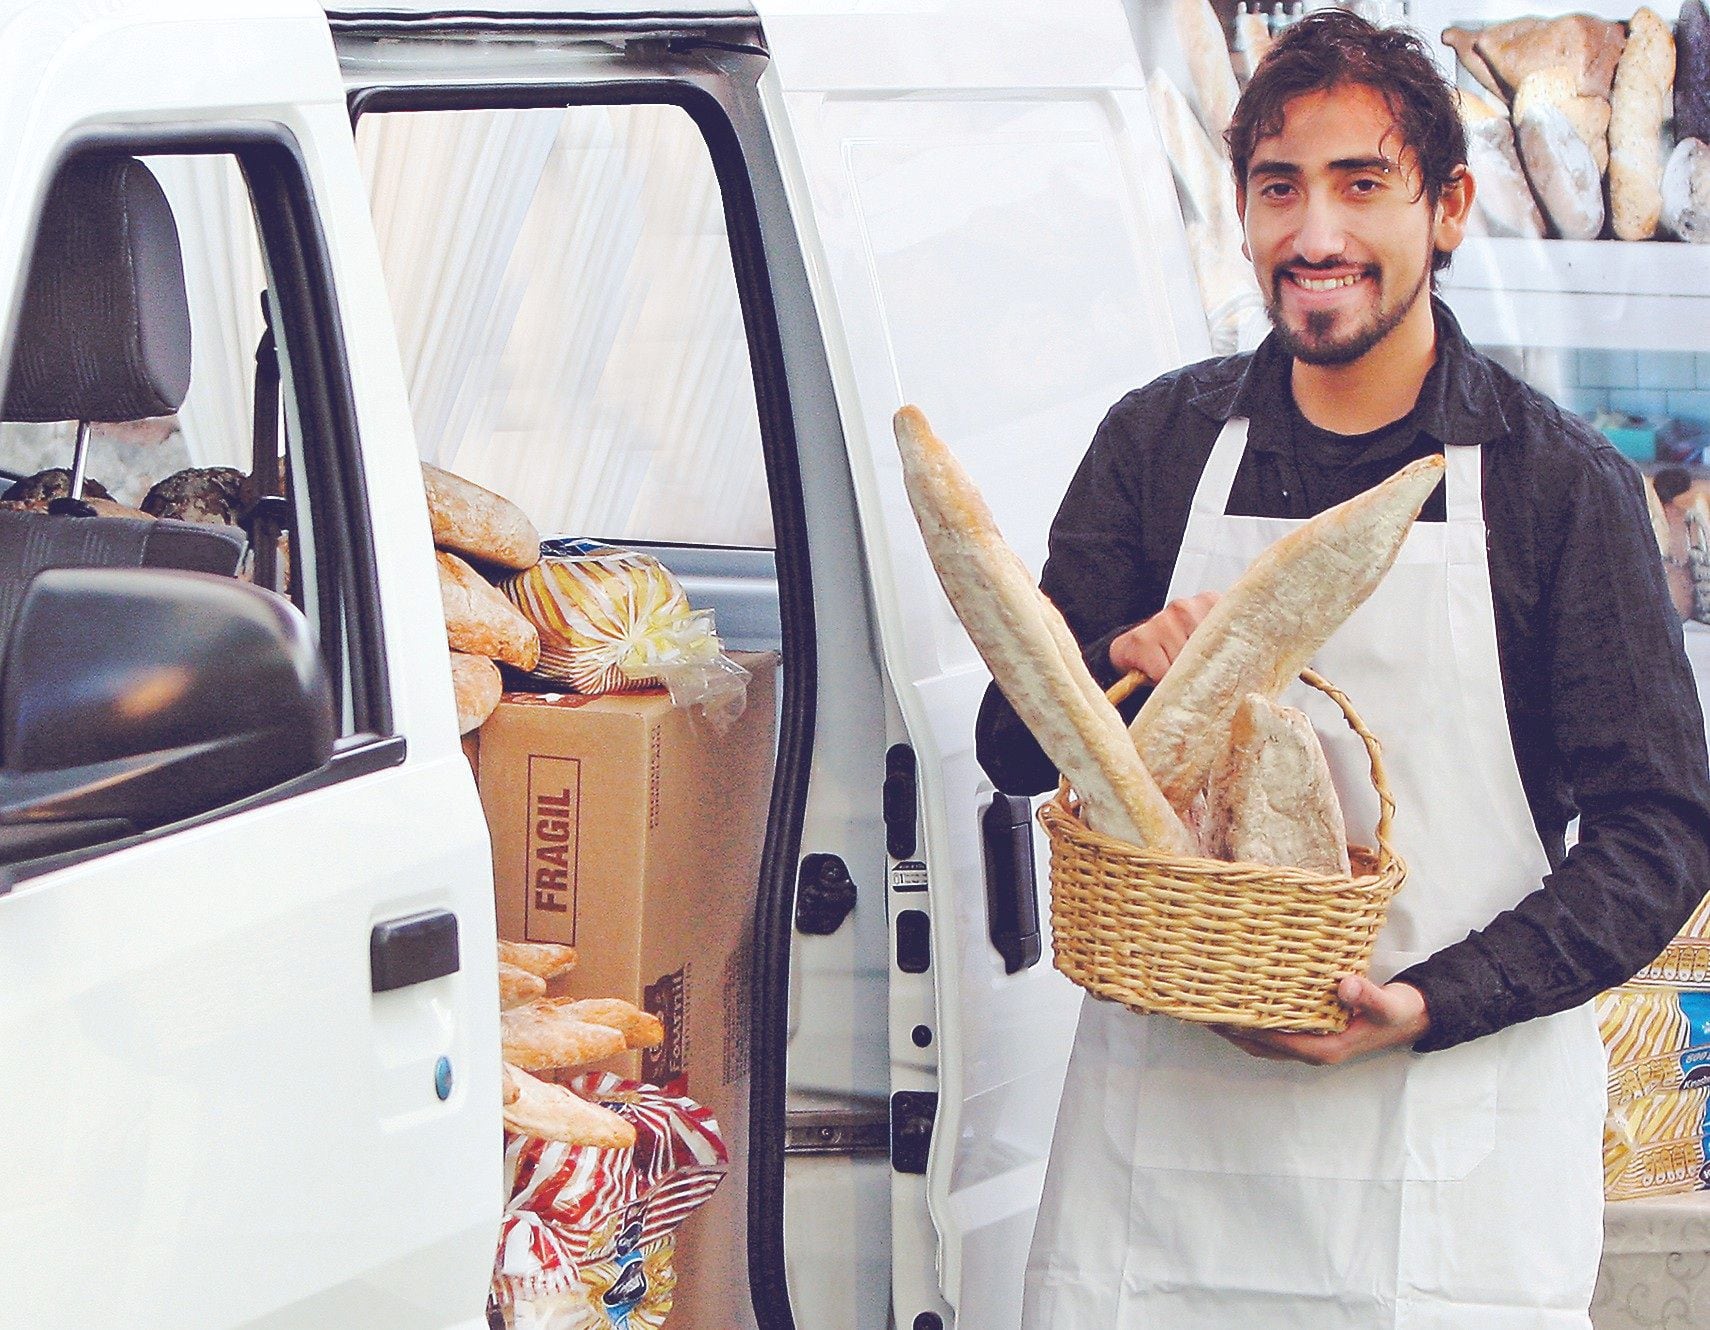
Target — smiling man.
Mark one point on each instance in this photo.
(1438, 1165)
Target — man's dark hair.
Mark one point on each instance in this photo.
(1333, 48)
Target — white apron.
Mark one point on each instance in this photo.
(1194, 1187)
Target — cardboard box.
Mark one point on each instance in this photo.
(632, 831)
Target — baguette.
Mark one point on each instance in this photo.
(1270, 799)
(1638, 107)
(1028, 649)
(546, 959)
(477, 522)
(1266, 627)
(1200, 33)
(517, 986)
(533, 1107)
(480, 621)
(640, 1029)
(539, 1035)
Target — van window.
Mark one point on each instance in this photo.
(154, 417)
(568, 316)
(230, 231)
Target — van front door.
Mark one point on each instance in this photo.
(216, 1111)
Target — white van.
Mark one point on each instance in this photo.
(660, 273)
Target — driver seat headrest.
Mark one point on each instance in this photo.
(104, 330)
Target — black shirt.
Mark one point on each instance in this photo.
(1602, 710)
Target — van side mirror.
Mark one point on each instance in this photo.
(135, 697)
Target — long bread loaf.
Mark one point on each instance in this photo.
(1028, 649)
(1267, 626)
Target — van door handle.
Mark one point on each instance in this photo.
(412, 949)
(1012, 890)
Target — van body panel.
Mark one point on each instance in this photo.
(986, 240)
(212, 1121)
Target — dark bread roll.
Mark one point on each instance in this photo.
(54, 483)
(212, 495)
(1692, 72)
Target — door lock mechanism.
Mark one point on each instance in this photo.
(825, 895)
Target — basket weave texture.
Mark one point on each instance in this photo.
(1236, 944)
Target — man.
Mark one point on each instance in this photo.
(1439, 1164)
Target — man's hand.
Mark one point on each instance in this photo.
(1386, 1016)
(1151, 647)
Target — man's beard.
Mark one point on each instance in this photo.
(1314, 346)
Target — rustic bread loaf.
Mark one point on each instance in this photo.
(1270, 799)
(1564, 177)
(1589, 116)
(1692, 72)
(477, 686)
(1686, 191)
(1639, 105)
(54, 483)
(1029, 651)
(1464, 41)
(477, 522)
(480, 621)
(1265, 629)
(1502, 202)
(1589, 46)
(213, 495)
(1476, 108)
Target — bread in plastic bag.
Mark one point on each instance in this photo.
(616, 621)
(588, 1235)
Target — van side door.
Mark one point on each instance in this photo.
(978, 188)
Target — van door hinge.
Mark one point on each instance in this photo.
(837, 1131)
(825, 894)
(913, 1113)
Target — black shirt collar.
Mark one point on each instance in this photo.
(1459, 402)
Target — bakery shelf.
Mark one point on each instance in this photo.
(1617, 295)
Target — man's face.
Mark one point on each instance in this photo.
(1340, 233)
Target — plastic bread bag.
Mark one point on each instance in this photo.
(588, 1235)
(615, 621)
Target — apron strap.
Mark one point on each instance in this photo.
(1463, 482)
(1211, 498)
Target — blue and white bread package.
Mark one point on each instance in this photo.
(1656, 1029)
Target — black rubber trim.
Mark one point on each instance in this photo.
(302, 284)
(458, 21)
(775, 903)
(357, 755)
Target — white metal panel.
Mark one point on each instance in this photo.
(994, 236)
(208, 1120)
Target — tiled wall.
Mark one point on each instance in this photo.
(1652, 385)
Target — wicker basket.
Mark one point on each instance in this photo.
(1232, 944)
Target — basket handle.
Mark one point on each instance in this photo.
(1124, 687)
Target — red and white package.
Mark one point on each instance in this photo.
(586, 1239)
